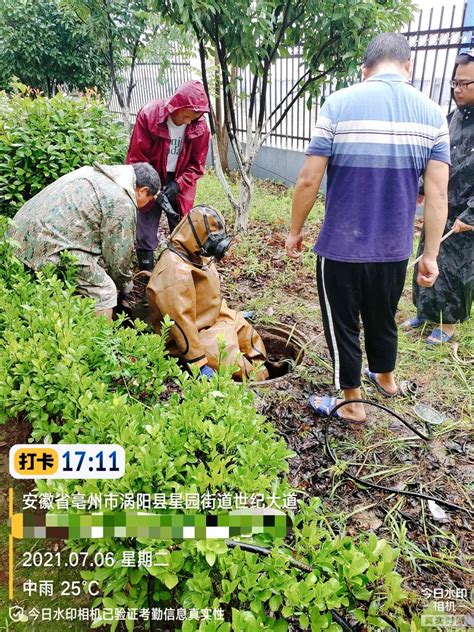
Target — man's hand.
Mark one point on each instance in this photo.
(171, 190)
(461, 227)
(304, 196)
(427, 272)
(294, 245)
(164, 203)
(127, 288)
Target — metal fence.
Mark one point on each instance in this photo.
(151, 82)
(435, 37)
(435, 48)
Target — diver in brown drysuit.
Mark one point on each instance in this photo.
(185, 285)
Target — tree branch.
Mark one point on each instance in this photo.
(314, 62)
(288, 94)
(298, 94)
(267, 64)
(205, 83)
(131, 85)
(253, 95)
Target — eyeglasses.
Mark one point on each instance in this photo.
(460, 84)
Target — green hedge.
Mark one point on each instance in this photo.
(89, 380)
(41, 139)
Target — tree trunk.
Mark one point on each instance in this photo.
(124, 109)
(242, 212)
(223, 147)
(130, 86)
(126, 116)
(121, 97)
(221, 132)
(221, 175)
(244, 165)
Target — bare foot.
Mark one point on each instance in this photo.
(387, 382)
(353, 412)
(449, 329)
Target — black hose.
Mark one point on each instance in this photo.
(150, 591)
(261, 550)
(392, 490)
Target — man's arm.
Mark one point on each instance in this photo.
(304, 197)
(118, 242)
(196, 165)
(436, 212)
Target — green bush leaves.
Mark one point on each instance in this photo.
(83, 379)
(42, 139)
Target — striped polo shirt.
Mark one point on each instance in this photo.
(379, 136)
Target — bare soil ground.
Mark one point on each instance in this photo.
(436, 546)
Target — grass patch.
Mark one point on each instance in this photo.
(257, 275)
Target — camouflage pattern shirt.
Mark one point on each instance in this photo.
(90, 212)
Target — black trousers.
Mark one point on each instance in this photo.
(148, 224)
(348, 292)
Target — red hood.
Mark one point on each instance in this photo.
(189, 95)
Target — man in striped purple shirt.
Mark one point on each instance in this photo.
(375, 138)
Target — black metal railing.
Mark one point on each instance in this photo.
(435, 39)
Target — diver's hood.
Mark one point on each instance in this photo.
(200, 235)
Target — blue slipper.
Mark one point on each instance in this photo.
(413, 323)
(326, 405)
(371, 377)
(437, 337)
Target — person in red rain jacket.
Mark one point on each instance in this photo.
(172, 135)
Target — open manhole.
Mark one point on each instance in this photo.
(285, 349)
(284, 345)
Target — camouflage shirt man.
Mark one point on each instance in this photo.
(91, 213)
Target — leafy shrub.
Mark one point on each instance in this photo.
(45, 44)
(42, 139)
(88, 380)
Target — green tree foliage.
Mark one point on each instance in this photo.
(82, 379)
(124, 30)
(330, 35)
(46, 46)
(41, 139)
